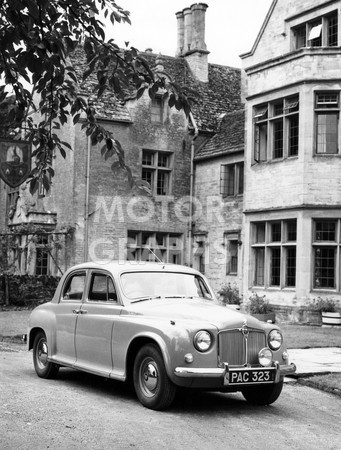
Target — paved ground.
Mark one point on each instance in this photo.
(308, 361)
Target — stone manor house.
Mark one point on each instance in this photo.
(246, 189)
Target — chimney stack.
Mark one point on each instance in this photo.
(191, 39)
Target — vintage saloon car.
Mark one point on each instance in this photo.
(159, 326)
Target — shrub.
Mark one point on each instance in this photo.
(323, 304)
(259, 304)
(229, 294)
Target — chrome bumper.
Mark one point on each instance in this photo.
(222, 372)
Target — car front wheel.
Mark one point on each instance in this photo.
(43, 367)
(263, 395)
(152, 385)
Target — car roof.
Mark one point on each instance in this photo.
(117, 267)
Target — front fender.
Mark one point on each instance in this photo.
(174, 340)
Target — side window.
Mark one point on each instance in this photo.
(74, 287)
(102, 288)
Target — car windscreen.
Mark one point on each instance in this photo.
(138, 285)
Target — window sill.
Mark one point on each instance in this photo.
(326, 155)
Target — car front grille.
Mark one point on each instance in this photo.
(240, 346)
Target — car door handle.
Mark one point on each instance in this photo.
(79, 311)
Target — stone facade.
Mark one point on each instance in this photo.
(292, 165)
(101, 215)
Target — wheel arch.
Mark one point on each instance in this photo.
(136, 344)
(32, 335)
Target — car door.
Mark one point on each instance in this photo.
(67, 314)
(94, 329)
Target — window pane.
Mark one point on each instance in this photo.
(325, 231)
(315, 34)
(259, 269)
(324, 267)
(301, 36)
(232, 264)
(332, 30)
(240, 178)
(291, 230)
(261, 142)
(276, 232)
(327, 133)
(163, 160)
(223, 179)
(278, 108)
(260, 232)
(327, 100)
(275, 266)
(293, 136)
(278, 139)
(156, 109)
(147, 158)
(148, 175)
(291, 267)
(230, 179)
(162, 183)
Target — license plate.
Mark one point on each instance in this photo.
(248, 376)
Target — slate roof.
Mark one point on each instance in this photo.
(228, 139)
(221, 93)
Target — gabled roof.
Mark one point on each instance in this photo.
(261, 31)
(228, 139)
(220, 94)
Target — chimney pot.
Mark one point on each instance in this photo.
(181, 32)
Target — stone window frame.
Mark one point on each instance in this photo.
(232, 243)
(157, 170)
(276, 129)
(326, 249)
(326, 104)
(273, 254)
(155, 246)
(316, 31)
(232, 179)
(157, 107)
(42, 256)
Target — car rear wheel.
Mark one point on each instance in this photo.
(152, 385)
(263, 395)
(43, 367)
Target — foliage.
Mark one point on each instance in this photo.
(28, 290)
(229, 294)
(259, 304)
(36, 39)
(11, 248)
(323, 304)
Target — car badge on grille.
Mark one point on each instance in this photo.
(244, 329)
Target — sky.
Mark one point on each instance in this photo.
(231, 26)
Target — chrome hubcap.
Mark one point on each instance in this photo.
(42, 353)
(149, 377)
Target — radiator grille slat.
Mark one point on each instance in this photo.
(232, 346)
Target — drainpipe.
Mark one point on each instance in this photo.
(191, 193)
(86, 203)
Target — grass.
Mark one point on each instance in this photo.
(305, 336)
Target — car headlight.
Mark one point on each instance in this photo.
(202, 341)
(275, 340)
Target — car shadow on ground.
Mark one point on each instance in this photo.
(186, 401)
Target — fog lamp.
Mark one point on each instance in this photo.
(285, 356)
(265, 357)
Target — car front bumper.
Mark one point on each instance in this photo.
(223, 372)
